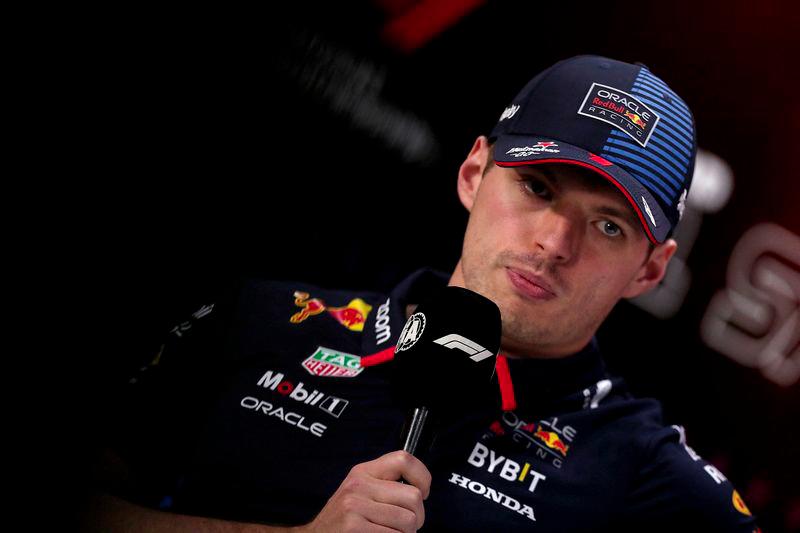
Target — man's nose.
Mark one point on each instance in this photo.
(557, 235)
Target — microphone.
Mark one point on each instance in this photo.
(444, 359)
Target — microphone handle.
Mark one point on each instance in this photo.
(415, 428)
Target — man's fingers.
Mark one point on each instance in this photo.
(396, 465)
(392, 516)
(406, 496)
(370, 497)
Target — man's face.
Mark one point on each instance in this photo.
(555, 247)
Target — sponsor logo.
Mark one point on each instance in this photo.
(203, 311)
(186, 325)
(682, 203)
(178, 331)
(601, 160)
(491, 494)
(382, 329)
(620, 109)
(289, 417)
(601, 390)
(412, 331)
(509, 112)
(507, 469)
(682, 440)
(709, 469)
(540, 147)
(552, 441)
(275, 381)
(649, 213)
(738, 503)
(332, 364)
(310, 307)
(473, 349)
(352, 316)
(636, 119)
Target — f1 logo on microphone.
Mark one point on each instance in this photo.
(476, 352)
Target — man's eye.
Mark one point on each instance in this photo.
(609, 228)
(536, 187)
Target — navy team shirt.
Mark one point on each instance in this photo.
(258, 405)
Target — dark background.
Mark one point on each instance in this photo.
(286, 143)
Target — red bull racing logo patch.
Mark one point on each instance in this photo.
(352, 316)
(551, 439)
(332, 364)
(620, 109)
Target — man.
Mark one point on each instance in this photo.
(278, 411)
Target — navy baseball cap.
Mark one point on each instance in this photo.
(615, 118)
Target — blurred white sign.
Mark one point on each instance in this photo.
(755, 320)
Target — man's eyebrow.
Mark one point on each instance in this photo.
(549, 174)
(624, 214)
(539, 170)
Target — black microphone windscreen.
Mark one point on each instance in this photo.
(445, 356)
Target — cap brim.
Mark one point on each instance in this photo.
(519, 150)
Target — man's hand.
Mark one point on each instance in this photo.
(371, 497)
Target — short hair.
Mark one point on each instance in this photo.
(489, 159)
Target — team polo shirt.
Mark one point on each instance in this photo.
(256, 408)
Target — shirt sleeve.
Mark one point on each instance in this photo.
(156, 416)
(677, 490)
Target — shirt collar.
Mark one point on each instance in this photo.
(537, 383)
(542, 383)
(409, 291)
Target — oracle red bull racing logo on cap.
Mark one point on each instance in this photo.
(620, 109)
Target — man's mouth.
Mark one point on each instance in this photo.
(530, 285)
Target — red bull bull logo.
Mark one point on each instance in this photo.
(636, 119)
(552, 440)
(310, 307)
(352, 316)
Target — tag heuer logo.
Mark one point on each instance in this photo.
(332, 364)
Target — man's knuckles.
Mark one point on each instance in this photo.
(354, 483)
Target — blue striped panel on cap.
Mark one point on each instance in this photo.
(663, 164)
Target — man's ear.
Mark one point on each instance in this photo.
(652, 270)
(470, 174)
